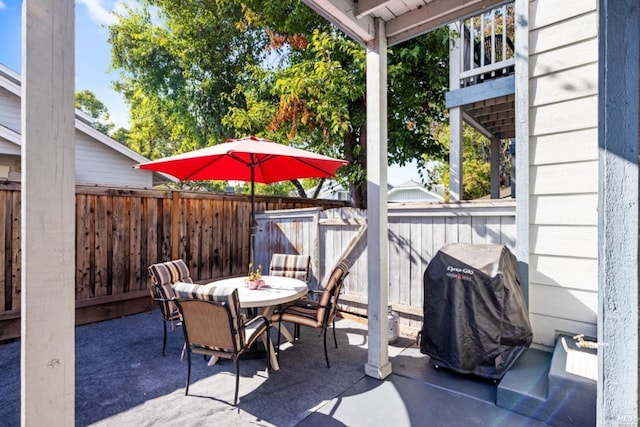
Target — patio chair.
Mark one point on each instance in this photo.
(213, 326)
(163, 275)
(295, 266)
(318, 314)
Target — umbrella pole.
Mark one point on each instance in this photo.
(253, 228)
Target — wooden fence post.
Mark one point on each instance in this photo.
(175, 225)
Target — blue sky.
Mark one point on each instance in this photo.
(93, 56)
(93, 59)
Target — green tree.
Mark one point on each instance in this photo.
(284, 188)
(317, 98)
(476, 152)
(121, 135)
(176, 68)
(210, 70)
(87, 102)
(210, 186)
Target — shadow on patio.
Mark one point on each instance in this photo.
(122, 380)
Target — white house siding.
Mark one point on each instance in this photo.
(98, 164)
(563, 171)
(9, 149)
(97, 161)
(9, 110)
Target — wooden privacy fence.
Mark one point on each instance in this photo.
(416, 232)
(121, 231)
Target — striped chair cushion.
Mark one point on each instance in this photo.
(211, 292)
(295, 266)
(306, 315)
(335, 280)
(254, 328)
(186, 290)
(314, 314)
(170, 272)
(163, 275)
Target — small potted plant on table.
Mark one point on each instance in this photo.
(254, 278)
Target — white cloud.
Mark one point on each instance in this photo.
(119, 6)
(98, 11)
(2, 5)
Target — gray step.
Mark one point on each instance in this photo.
(572, 383)
(523, 388)
(557, 388)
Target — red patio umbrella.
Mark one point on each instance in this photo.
(248, 159)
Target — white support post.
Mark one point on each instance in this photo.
(378, 365)
(522, 142)
(48, 214)
(495, 168)
(455, 122)
(618, 214)
(455, 154)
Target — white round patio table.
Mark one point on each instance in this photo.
(275, 291)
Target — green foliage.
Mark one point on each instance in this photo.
(284, 188)
(121, 135)
(200, 72)
(316, 100)
(87, 102)
(476, 178)
(476, 169)
(175, 69)
(305, 103)
(211, 186)
(418, 73)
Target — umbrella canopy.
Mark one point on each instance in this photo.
(247, 159)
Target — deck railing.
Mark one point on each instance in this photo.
(487, 45)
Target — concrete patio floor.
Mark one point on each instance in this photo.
(123, 380)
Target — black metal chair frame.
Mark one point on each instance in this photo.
(330, 315)
(206, 351)
(166, 317)
(169, 312)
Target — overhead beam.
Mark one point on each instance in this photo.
(368, 7)
(434, 15)
(342, 13)
(501, 115)
(488, 90)
(492, 114)
(477, 126)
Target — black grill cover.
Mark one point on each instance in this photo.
(475, 318)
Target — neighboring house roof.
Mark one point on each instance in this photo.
(505, 193)
(412, 191)
(10, 135)
(330, 190)
(96, 151)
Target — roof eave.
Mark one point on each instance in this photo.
(342, 14)
(357, 20)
